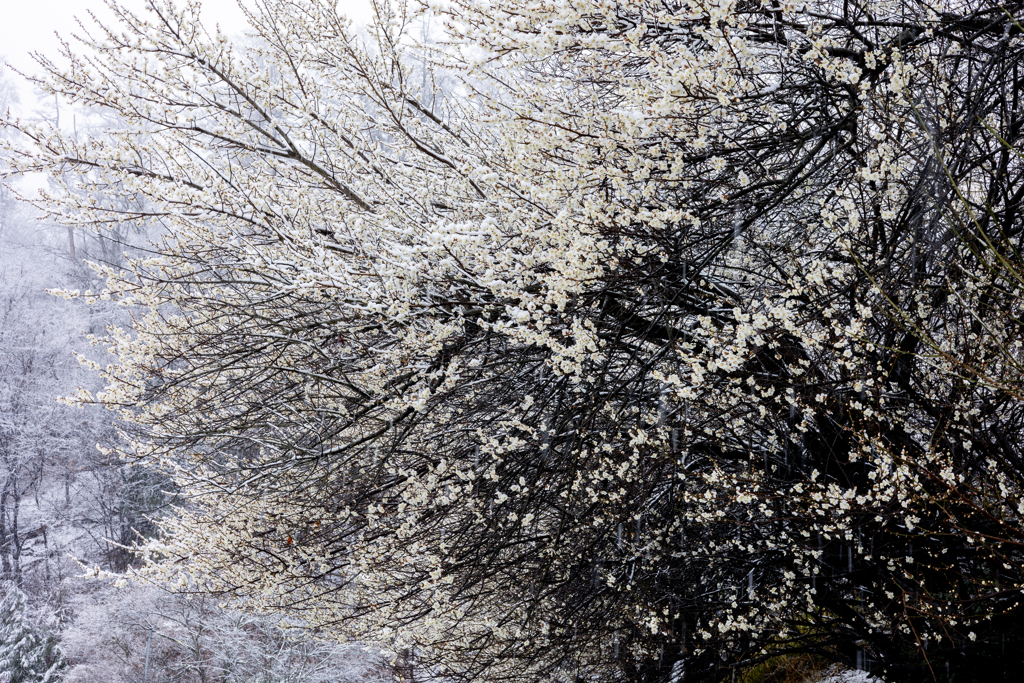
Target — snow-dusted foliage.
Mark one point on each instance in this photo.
(675, 336)
(139, 633)
(59, 497)
(27, 655)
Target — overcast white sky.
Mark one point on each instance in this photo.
(29, 25)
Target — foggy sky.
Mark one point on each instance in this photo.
(29, 25)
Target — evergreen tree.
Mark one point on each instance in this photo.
(27, 655)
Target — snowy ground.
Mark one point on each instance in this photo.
(837, 675)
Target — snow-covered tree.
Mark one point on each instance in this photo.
(27, 655)
(8, 207)
(679, 336)
(128, 634)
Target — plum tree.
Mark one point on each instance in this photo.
(673, 337)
